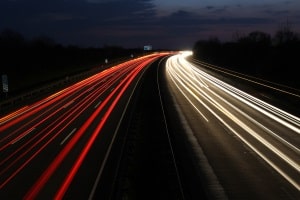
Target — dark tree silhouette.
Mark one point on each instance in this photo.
(285, 36)
(11, 39)
(257, 54)
(30, 63)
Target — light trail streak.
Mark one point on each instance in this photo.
(36, 188)
(69, 91)
(24, 110)
(69, 135)
(40, 118)
(173, 77)
(18, 116)
(287, 116)
(27, 148)
(63, 119)
(273, 112)
(250, 79)
(191, 81)
(12, 115)
(23, 135)
(69, 103)
(97, 104)
(222, 109)
(123, 86)
(39, 125)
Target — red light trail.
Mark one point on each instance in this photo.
(30, 131)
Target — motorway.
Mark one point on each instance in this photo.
(58, 146)
(178, 131)
(244, 148)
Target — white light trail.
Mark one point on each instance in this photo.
(194, 83)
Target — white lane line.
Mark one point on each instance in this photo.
(271, 163)
(98, 104)
(23, 135)
(292, 163)
(69, 103)
(93, 191)
(244, 126)
(66, 138)
(188, 99)
(91, 88)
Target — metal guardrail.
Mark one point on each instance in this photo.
(17, 100)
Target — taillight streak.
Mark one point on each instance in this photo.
(80, 108)
(39, 117)
(64, 119)
(35, 108)
(33, 192)
(73, 113)
(22, 114)
(97, 131)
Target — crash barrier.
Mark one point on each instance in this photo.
(11, 102)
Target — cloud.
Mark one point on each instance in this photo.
(277, 12)
(101, 1)
(210, 7)
(39, 15)
(130, 22)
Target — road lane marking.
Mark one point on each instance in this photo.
(22, 135)
(186, 97)
(249, 130)
(243, 76)
(66, 138)
(93, 191)
(69, 103)
(90, 89)
(235, 119)
(167, 132)
(97, 104)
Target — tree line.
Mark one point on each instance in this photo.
(31, 62)
(274, 58)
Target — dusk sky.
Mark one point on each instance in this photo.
(135, 23)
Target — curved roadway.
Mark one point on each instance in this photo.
(243, 148)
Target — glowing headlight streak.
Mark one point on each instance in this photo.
(282, 117)
(281, 172)
(175, 66)
(256, 103)
(296, 149)
(242, 76)
(192, 93)
(187, 85)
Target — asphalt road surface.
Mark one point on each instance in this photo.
(241, 146)
(58, 146)
(156, 127)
